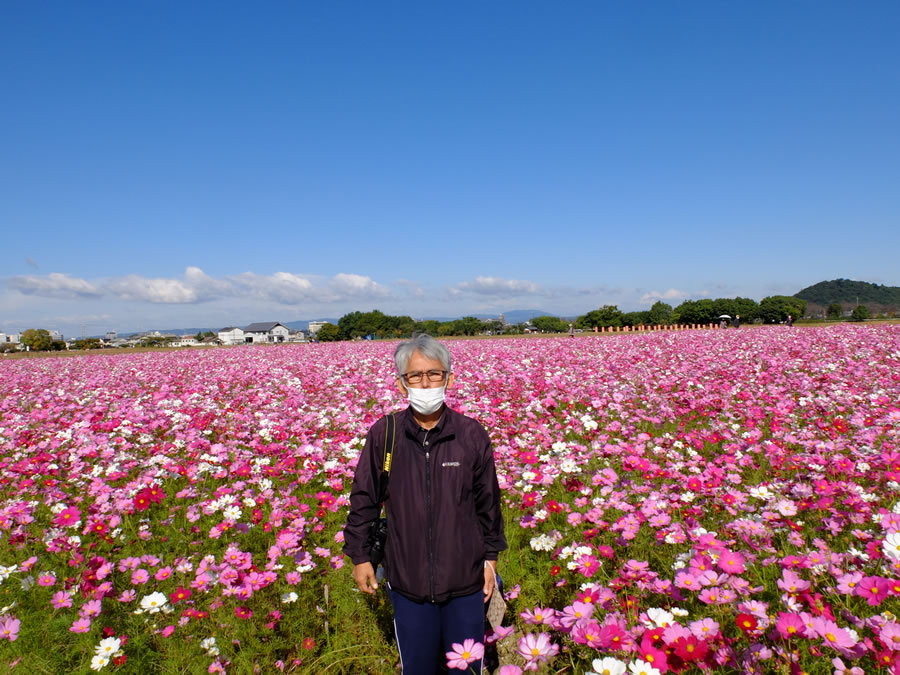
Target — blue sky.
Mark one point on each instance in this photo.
(204, 164)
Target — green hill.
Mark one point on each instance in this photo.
(846, 291)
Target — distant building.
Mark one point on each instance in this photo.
(266, 332)
(56, 335)
(111, 335)
(314, 327)
(231, 335)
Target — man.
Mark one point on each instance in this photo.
(737, 321)
(445, 529)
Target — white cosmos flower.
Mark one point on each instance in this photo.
(289, 597)
(608, 666)
(154, 602)
(108, 646)
(891, 545)
(99, 661)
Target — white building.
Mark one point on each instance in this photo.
(314, 327)
(266, 332)
(9, 338)
(231, 336)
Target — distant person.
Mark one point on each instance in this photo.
(722, 323)
(737, 320)
(571, 330)
(790, 320)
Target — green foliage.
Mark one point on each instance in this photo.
(660, 314)
(635, 318)
(776, 308)
(847, 291)
(550, 324)
(37, 340)
(835, 310)
(88, 343)
(328, 333)
(860, 313)
(696, 311)
(155, 341)
(608, 315)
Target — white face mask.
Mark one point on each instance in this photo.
(426, 401)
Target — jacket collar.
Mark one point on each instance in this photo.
(445, 427)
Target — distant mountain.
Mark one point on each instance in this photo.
(849, 292)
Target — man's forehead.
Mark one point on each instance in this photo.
(423, 361)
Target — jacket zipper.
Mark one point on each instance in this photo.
(428, 515)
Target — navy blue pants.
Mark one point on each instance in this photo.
(427, 630)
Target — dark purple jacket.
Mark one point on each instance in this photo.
(443, 506)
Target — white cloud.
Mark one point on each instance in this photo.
(497, 286)
(55, 285)
(196, 286)
(355, 285)
(671, 294)
(165, 291)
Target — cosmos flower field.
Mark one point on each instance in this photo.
(708, 501)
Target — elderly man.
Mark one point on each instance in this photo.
(445, 528)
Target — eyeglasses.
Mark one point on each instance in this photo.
(417, 376)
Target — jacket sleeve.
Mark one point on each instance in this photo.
(364, 506)
(487, 500)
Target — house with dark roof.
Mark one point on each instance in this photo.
(266, 332)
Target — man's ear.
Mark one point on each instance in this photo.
(451, 378)
(401, 386)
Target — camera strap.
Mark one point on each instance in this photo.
(383, 478)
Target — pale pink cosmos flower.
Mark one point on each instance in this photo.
(81, 625)
(461, 655)
(536, 649)
(140, 577)
(833, 635)
(60, 600)
(9, 628)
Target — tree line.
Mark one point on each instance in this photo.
(377, 324)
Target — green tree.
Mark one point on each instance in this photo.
(550, 324)
(608, 315)
(429, 326)
(660, 314)
(88, 343)
(834, 311)
(37, 339)
(633, 319)
(860, 313)
(329, 333)
(776, 308)
(696, 311)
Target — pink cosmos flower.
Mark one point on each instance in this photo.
(81, 625)
(731, 563)
(536, 649)
(833, 635)
(587, 565)
(140, 577)
(889, 636)
(790, 625)
(873, 589)
(67, 517)
(46, 579)
(791, 582)
(90, 609)
(167, 631)
(575, 613)
(538, 616)
(60, 600)
(9, 628)
(463, 654)
(163, 573)
(509, 670)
